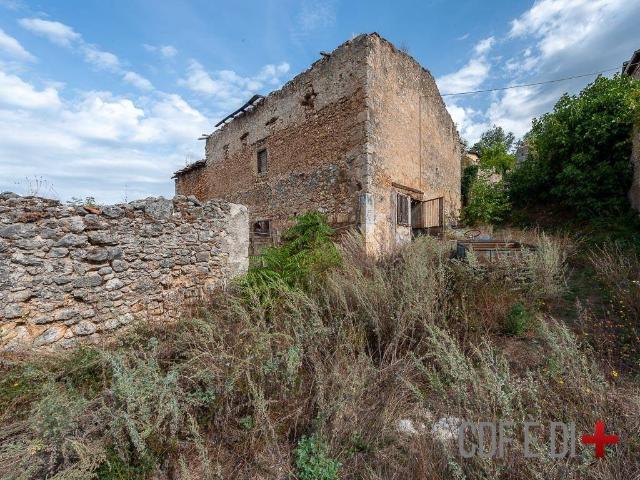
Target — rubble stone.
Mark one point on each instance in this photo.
(69, 275)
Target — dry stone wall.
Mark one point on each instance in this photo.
(71, 273)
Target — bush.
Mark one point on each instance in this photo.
(312, 462)
(488, 202)
(307, 250)
(469, 175)
(518, 320)
(497, 158)
(579, 153)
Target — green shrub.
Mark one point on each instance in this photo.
(307, 249)
(469, 175)
(497, 158)
(579, 152)
(313, 462)
(488, 202)
(517, 321)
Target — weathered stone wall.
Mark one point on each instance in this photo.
(69, 273)
(338, 136)
(414, 144)
(313, 131)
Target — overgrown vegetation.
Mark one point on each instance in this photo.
(312, 381)
(579, 153)
(488, 201)
(618, 271)
(484, 195)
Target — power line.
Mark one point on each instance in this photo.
(535, 83)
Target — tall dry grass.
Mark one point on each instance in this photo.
(618, 271)
(239, 389)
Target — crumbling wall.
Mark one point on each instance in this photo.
(414, 144)
(69, 273)
(314, 134)
(339, 138)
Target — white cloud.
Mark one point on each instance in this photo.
(100, 117)
(167, 51)
(484, 46)
(226, 86)
(471, 75)
(137, 81)
(101, 59)
(554, 39)
(96, 144)
(18, 93)
(171, 118)
(64, 35)
(55, 32)
(562, 23)
(273, 73)
(470, 122)
(12, 47)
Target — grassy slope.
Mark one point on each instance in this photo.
(307, 372)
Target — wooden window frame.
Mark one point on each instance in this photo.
(403, 209)
(259, 160)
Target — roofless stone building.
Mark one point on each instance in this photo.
(362, 136)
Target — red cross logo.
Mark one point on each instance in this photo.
(599, 439)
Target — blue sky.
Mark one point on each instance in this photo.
(107, 99)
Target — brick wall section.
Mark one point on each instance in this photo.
(67, 274)
(314, 133)
(412, 138)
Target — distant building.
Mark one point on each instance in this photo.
(470, 158)
(363, 135)
(522, 152)
(632, 68)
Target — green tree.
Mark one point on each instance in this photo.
(488, 201)
(496, 157)
(493, 137)
(579, 158)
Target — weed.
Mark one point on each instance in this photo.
(518, 320)
(313, 462)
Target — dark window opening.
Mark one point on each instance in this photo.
(416, 213)
(403, 209)
(262, 161)
(262, 228)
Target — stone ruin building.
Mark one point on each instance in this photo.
(362, 136)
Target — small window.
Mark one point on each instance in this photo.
(262, 228)
(402, 209)
(262, 161)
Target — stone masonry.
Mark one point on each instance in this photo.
(77, 272)
(364, 124)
